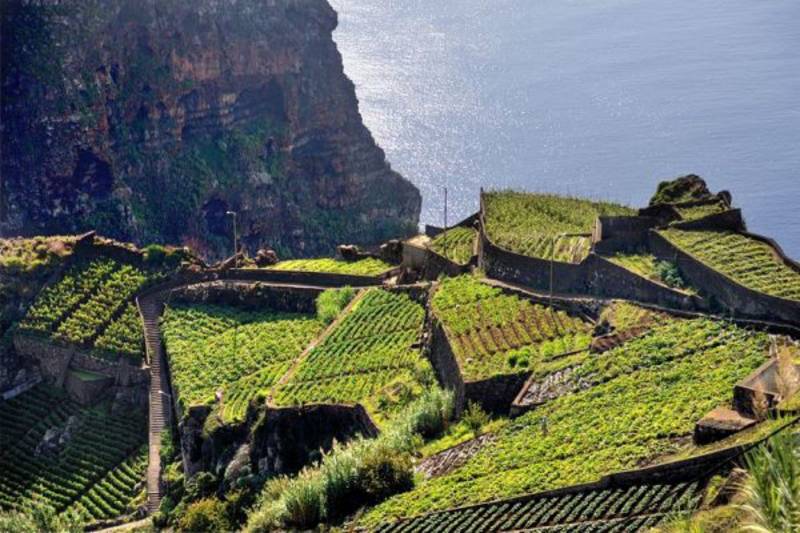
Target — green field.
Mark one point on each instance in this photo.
(369, 356)
(645, 397)
(457, 244)
(239, 353)
(494, 334)
(95, 471)
(745, 260)
(544, 225)
(363, 267)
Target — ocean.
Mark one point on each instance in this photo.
(593, 98)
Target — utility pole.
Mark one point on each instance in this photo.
(235, 235)
(445, 220)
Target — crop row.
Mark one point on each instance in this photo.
(528, 223)
(111, 495)
(22, 413)
(124, 336)
(240, 353)
(370, 348)
(457, 244)
(363, 267)
(646, 394)
(578, 509)
(82, 326)
(748, 261)
(99, 444)
(55, 302)
(493, 333)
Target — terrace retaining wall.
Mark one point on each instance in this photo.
(615, 234)
(290, 277)
(250, 296)
(736, 298)
(496, 394)
(594, 276)
(55, 359)
(445, 364)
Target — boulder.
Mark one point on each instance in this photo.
(348, 252)
(266, 257)
(684, 189)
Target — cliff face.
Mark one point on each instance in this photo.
(149, 119)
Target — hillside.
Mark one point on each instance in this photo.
(464, 382)
(149, 120)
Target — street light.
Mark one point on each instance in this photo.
(235, 237)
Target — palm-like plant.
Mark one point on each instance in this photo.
(772, 490)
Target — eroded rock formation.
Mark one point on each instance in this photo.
(151, 119)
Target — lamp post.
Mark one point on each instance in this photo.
(235, 236)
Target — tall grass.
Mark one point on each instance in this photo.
(331, 302)
(772, 489)
(364, 471)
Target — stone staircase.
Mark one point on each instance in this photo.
(150, 308)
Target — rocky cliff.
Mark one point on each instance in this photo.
(150, 119)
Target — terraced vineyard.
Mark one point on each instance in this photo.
(92, 307)
(240, 353)
(747, 261)
(543, 225)
(363, 267)
(457, 244)
(643, 397)
(19, 415)
(111, 495)
(633, 508)
(370, 351)
(100, 444)
(492, 333)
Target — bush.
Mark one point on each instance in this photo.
(202, 485)
(475, 418)
(39, 517)
(331, 302)
(155, 254)
(669, 274)
(205, 515)
(383, 473)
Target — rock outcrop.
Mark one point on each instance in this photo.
(150, 120)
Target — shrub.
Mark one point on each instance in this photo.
(39, 517)
(475, 418)
(203, 484)
(155, 254)
(669, 274)
(383, 473)
(331, 302)
(205, 515)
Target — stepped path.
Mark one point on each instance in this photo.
(150, 308)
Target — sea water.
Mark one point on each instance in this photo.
(598, 98)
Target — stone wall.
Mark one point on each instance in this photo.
(615, 234)
(286, 439)
(445, 365)
(496, 394)
(55, 360)
(320, 279)
(250, 296)
(732, 296)
(730, 220)
(594, 276)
